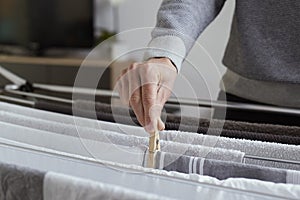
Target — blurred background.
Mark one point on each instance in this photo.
(46, 41)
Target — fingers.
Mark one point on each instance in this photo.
(122, 88)
(127, 83)
(163, 95)
(137, 106)
(149, 93)
(135, 95)
(146, 87)
(164, 91)
(149, 80)
(160, 125)
(129, 88)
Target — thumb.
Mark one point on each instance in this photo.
(160, 125)
(156, 123)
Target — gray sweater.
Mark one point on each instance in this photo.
(264, 44)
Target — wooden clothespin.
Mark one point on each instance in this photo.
(153, 147)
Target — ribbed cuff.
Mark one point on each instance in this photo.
(171, 47)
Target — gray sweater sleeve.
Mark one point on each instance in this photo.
(179, 24)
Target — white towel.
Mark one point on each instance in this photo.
(77, 146)
(120, 139)
(67, 119)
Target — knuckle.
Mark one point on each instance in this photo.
(151, 74)
(149, 69)
(148, 99)
(124, 71)
(135, 99)
(133, 66)
(149, 88)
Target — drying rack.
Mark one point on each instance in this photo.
(24, 88)
(68, 159)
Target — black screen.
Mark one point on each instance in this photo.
(46, 23)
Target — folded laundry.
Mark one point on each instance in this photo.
(74, 145)
(72, 120)
(223, 169)
(165, 184)
(231, 188)
(192, 121)
(173, 119)
(187, 124)
(18, 183)
(252, 149)
(107, 137)
(249, 147)
(284, 139)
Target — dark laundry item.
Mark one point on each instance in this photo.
(87, 113)
(232, 129)
(20, 183)
(223, 169)
(52, 106)
(105, 116)
(253, 116)
(192, 121)
(203, 130)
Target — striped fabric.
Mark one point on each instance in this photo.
(223, 170)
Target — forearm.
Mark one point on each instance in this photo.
(179, 24)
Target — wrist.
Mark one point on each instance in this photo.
(163, 60)
(168, 46)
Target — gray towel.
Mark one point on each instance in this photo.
(18, 183)
(251, 148)
(122, 115)
(121, 139)
(106, 112)
(222, 169)
(192, 121)
(230, 125)
(67, 119)
(76, 146)
(63, 187)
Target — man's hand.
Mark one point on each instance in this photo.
(146, 87)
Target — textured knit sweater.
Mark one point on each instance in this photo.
(263, 49)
